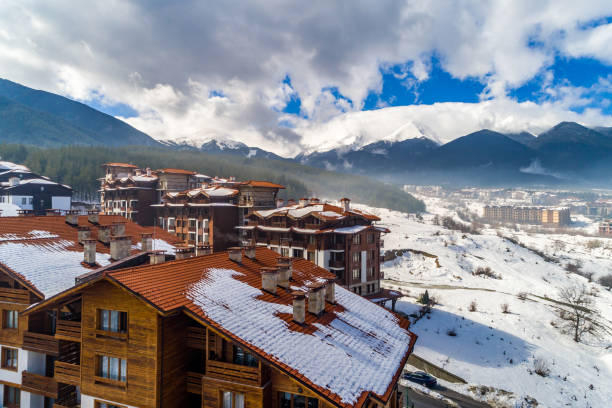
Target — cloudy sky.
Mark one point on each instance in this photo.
(292, 76)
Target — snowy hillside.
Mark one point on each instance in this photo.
(490, 347)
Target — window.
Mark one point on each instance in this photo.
(371, 238)
(24, 200)
(357, 239)
(10, 319)
(373, 255)
(112, 368)
(102, 404)
(233, 399)
(192, 223)
(287, 400)
(284, 251)
(311, 239)
(298, 253)
(356, 257)
(31, 200)
(192, 236)
(356, 274)
(371, 271)
(11, 396)
(244, 358)
(311, 256)
(9, 358)
(112, 321)
(170, 224)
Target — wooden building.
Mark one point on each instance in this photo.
(343, 240)
(41, 256)
(235, 329)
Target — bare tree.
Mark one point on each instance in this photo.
(580, 316)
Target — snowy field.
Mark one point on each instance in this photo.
(488, 347)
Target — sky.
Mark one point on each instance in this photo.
(295, 77)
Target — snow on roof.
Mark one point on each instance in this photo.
(9, 210)
(351, 230)
(144, 178)
(358, 351)
(220, 192)
(301, 212)
(49, 265)
(330, 214)
(37, 181)
(5, 165)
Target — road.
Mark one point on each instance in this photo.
(423, 401)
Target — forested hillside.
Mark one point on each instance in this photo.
(80, 167)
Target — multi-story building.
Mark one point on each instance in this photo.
(22, 189)
(209, 214)
(343, 240)
(235, 329)
(527, 215)
(41, 256)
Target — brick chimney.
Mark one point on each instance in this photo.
(93, 217)
(89, 251)
(72, 218)
(279, 202)
(284, 273)
(299, 307)
(346, 204)
(157, 257)
(202, 249)
(303, 202)
(269, 279)
(146, 242)
(117, 229)
(104, 234)
(83, 234)
(120, 247)
(316, 302)
(249, 251)
(330, 292)
(235, 254)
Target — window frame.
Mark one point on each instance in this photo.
(4, 359)
(5, 313)
(16, 395)
(292, 401)
(100, 404)
(233, 395)
(100, 331)
(99, 378)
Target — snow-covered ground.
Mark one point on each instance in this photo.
(493, 348)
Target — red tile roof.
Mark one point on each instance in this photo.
(131, 166)
(177, 171)
(259, 183)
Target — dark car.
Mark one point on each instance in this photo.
(421, 377)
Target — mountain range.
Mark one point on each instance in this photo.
(568, 152)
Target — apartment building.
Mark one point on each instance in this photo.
(527, 215)
(233, 329)
(22, 189)
(41, 256)
(341, 239)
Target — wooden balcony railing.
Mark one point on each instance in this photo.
(68, 330)
(41, 343)
(20, 296)
(312, 226)
(39, 384)
(194, 383)
(336, 264)
(196, 338)
(68, 373)
(233, 372)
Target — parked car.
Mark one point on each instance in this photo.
(421, 377)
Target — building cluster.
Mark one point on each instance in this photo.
(97, 311)
(22, 190)
(527, 215)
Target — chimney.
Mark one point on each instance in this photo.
(249, 251)
(104, 234)
(157, 257)
(93, 217)
(146, 242)
(84, 234)
(290, 202)
(279, 202)
(149, 171)
(117, 229)
(287, 260)
(299, 307)
(314, 200)
(120, 247)
(284, 273)
(184, 252)
(316, 302)
(89, 251)
(14, 181)
(346, 204)
(72, 218)
(303, 202)
(202, 249)
(235, 254)
(269, 279)
(330, 292)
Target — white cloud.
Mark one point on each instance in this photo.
(164, 61)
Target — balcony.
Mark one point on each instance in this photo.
(68, 330)
(20, 296)
(41, 343)
(194, 383)
(336, 264)
(39, 384)
(196, 338)
(68, 373)
(234, 372)
(338, 247)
